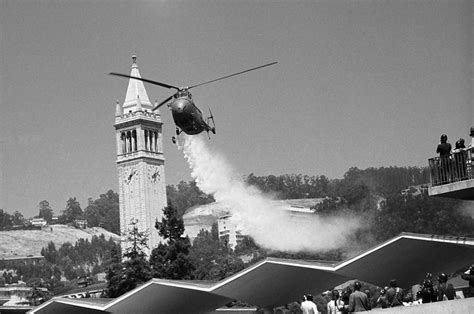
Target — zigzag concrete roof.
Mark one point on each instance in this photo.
(275, 282)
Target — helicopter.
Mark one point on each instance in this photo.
(186, 115)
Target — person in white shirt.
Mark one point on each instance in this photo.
(308, 306)
(335, 306)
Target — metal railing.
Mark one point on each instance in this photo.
(453, 168)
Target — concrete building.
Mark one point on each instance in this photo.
(140, 161)
(228, 231)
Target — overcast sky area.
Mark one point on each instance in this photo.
(357, 84)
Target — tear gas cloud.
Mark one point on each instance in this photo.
(255, 214)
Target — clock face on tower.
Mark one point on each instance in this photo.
(130, 174)
(153, 173)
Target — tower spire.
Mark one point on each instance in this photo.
(136, 90)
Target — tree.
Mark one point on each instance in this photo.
(137, 242)
(170, 260)
(212, 259)
(125, 275)
(226, 266)
(104, 212)
(50, 254)
(246, 246)
(5, 220)
(45, 211)
(205, 252)
(37, 295)
(421, 214)
(72, 212)
(18, 218)
(186, 195)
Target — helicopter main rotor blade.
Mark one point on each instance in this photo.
(145, 80)
(224, 77)
(162, 103)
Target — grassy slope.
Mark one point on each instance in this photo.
(30, 242)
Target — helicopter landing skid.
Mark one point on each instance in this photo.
(174, 139)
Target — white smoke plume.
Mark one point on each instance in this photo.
(255, 214)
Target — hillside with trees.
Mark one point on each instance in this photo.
(61, 267)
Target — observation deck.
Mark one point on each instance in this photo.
(453, 176)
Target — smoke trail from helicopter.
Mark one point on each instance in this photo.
(255, 214)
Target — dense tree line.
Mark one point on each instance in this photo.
(421, 214)
(291, 186)
(81, 259)
(355, 184)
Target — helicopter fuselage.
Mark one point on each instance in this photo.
(187, 116)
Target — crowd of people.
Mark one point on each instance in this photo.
(355, 300)
(453, 163)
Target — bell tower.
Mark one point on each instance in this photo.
(140, 162)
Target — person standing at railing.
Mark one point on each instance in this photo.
(444, 151)
(460, 156)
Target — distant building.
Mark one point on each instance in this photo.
(101, 277)
(80, 223)
(38, 222)
(228, 232)
(415, 190)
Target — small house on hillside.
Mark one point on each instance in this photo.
(80, 223)
(38, 222)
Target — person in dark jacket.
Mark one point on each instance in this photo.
(445, 290)
(394, 294)
(358, 300)
(444, 148)
(444, 151)
(428, 291)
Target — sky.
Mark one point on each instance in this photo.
(358, 83)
